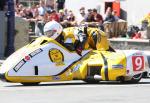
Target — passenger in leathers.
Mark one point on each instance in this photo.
(87, 37)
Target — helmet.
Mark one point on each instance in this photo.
(53, 29)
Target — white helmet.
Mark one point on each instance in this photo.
(53, 29)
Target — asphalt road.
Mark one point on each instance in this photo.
(76, 92)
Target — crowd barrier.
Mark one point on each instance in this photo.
(115, 29)
(127, 44)
(21, 36)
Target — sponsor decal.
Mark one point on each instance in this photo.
(56, 78)
(27, 58)
(35, 52)
(117, 66)
(31, 55)
(19, 65)
(138, 63)
(56, 56)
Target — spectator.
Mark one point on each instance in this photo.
(39, 23)
(33, 9)
(20, 7)
(81, 16)
(47, 16)
(22, 13)
(144, 25)
(70, 16)
(71, 19)
(49, 4)
(62, 16)
(109, 17)
(114, 13)
(89, 16)
(28, 14)
(147, 19)
(37, 17)
(108, 11)
(82, 11)
(17, 12)
(145, 22)
(98, 18)
(51, 15)
(42, 8)
(17, 2)
(60, 4)
(66, 12)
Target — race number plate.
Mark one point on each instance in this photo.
(138, 63)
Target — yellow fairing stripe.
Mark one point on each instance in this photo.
(105, 67)
(66, 76)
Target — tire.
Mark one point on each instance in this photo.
(146, 75)
(91, 81)
(30, 84)
(135, 79)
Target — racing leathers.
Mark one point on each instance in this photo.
(82, 38)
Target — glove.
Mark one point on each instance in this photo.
(78, 48)
(79, 51)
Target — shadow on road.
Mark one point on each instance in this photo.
(78, 83)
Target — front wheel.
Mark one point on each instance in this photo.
(89, 81)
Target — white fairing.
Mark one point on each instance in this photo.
(42, 60)
(136, 62)
(148, 57)
(12, 60)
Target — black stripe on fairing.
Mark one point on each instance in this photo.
(36, 70)
(70, 65)
(105, 67)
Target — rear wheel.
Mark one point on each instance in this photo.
(135, 79)
(30, 84)
(146, 75)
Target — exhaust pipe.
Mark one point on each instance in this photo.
(97, 77)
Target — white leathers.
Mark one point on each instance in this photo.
(79, 34)
(52, 29)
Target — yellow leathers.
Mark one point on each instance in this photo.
(96, 39)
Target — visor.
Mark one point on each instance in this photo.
(50, 33)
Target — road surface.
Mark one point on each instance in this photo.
(76, 92)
